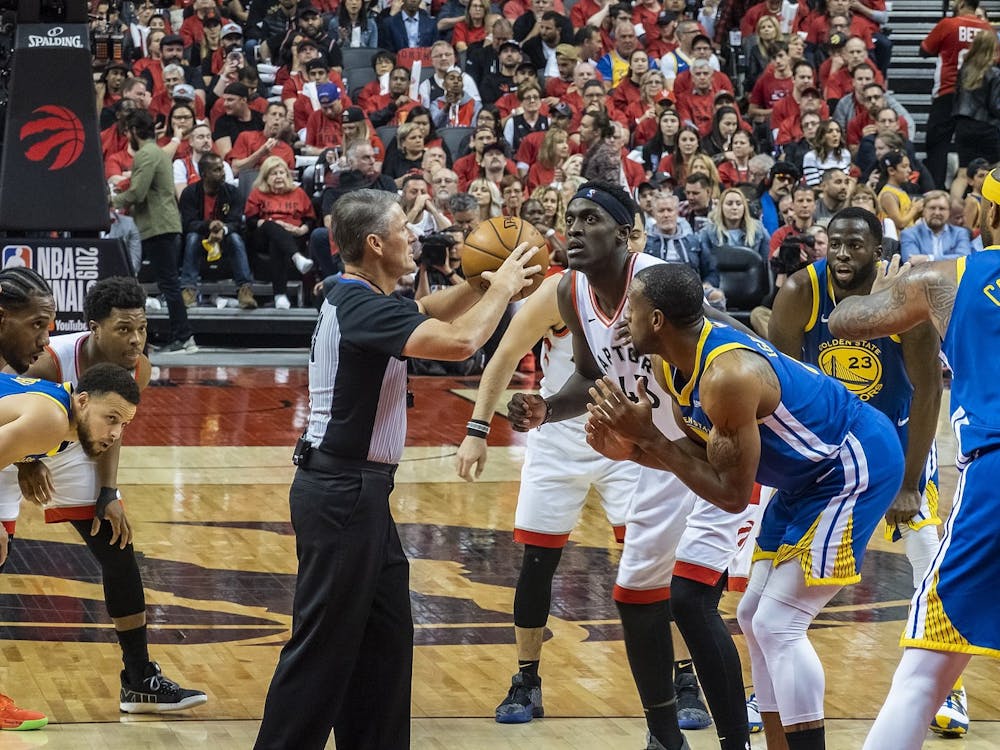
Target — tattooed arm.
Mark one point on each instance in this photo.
(900, 299)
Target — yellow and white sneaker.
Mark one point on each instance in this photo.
(952, 719)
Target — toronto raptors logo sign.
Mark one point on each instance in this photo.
(53, 134)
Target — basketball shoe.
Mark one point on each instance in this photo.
(952, 719)
(522, 704)
(654, 744)
(754, 721)
(691, 712)
(19, 719)
(157, 694)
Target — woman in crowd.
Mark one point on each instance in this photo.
(703, 164)
(977, 108)
(735, 169)
(894, 200)
(663, 142)
(629, 88)
(731, 223)
(725, 124)
(179, 123)
(829, 151)
(354, 25)
(208, 54)
(471, 30)
(652, 91)
(408, 154)
(280, 217)
(488, 198)
(552, 153)
(512, 193)
(678, 164)
(760, 47)
(552, 204)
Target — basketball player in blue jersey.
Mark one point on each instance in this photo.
(952, 614)
(898, 375)
(676, 554)
(750, 413)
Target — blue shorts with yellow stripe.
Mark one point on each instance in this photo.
(927, 515)
(827, 526)
(953, 608)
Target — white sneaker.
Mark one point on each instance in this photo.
(190, 347)
(281, 302)
(952, 719)
(153, 304)
(302, 263)
(754, 721)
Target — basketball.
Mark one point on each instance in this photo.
(492, 241)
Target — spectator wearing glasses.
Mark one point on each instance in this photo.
(444, 184)
(779, 183)
(442, 59)
(529, 120)
(676, 62)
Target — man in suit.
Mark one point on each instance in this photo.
(933, 238)
(411, 27)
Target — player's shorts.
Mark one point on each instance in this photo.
(559, 469)
(827, 525)
(952, 609)
(928, 513)
(739, 567)
(671, 530)
(75, 490)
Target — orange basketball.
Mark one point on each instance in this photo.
(492, 241)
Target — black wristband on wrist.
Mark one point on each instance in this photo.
(105, 497)
(477, 428)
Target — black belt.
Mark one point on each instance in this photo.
(312, 459)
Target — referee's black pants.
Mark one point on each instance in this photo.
(349, 661)
(939, 130)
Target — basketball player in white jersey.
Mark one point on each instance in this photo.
(677, 547)
(559, 469)
(74, 488)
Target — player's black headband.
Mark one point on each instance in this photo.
(609, 203)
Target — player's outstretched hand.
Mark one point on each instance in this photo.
(887, 273)
(514, 274)
(609, 443)
(121, 529)
(471, 455)
(632, 420)
(35, 482)
(904, 507)
(526, 410)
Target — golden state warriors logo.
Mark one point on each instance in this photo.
(856, 364)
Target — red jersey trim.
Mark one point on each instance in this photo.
(696, 573)
(645, 596)
(73, 513)
(538, 539)
(9, 525)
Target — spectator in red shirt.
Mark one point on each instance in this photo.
(108, 87)
(471, 30)
(547, 169)
(748, 23)
(643, 113)
(192, 31)
(835, 72)
(790, 129)
(819, 28)
(375, 94)
(663, 38)
(774, 83)
(280, 217)
(323, 129)
(790, 106)
(628, 91)
(698, 107)
(735, 168)
(646, 13)
(865, 122)
(252, 147)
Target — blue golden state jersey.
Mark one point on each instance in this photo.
(972, 347)
(873, 371)
(801, 440)
(16, 385)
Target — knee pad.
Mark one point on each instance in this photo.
(533, 595)
(122, 581)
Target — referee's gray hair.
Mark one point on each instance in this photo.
(358, 214)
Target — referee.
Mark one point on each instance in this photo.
(348, 663)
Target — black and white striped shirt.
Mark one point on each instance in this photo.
(357, 373)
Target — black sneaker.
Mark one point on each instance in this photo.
(157, 694)
(691, 712)
(522, 704)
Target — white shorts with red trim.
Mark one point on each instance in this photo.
(559, 469)
(739, 568)
(661, 504)
(713, 541)
(74, 481)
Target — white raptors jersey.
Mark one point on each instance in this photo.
(617, 360)
(557, 361)
(65, 352)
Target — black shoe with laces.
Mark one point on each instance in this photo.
(157, 694)
(691, 712)
(522, 704)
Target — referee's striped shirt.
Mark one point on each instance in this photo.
(357, 374)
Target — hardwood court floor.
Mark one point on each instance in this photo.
(205, 472)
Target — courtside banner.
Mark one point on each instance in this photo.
(52, 178)
(71, 267)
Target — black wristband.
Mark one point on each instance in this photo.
(105, 497)
(477, 428)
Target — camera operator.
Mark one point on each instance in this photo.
(795, 252)
(803, 208)
(435, 270)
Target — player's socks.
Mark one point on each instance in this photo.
(807, 739)
(529, 670)
(135, 653)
